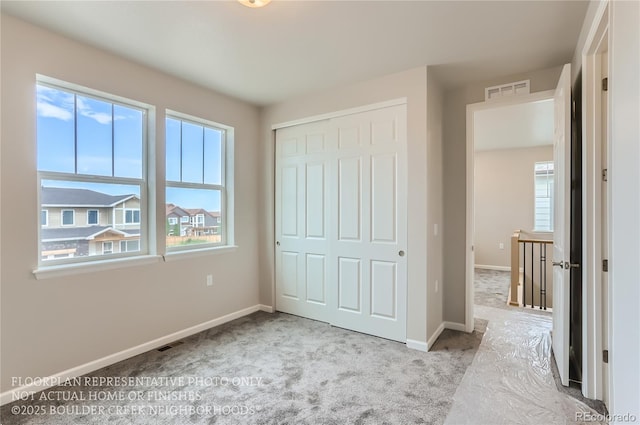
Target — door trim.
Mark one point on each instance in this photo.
(470, 210)
(592, 379)
(341, 113)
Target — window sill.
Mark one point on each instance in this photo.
(49, 272)
(182, 255)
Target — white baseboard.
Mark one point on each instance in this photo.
(417, 345)
(455, 326)
(435, 335)
(61, 377)
(265, 308)
(489, 267)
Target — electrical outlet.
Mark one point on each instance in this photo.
(501, 245)
(209, 280)
(437, 285)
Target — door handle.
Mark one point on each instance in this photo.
(566, 265)
(401, 253)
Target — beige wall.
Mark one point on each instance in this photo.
(60, 323)
(435, 103)
(504, 200)
(455, 175)
(411, 84)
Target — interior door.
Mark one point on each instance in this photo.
(369, 219)
(302, 210)
(561, 195)
(341, 230)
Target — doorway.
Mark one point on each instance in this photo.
(509, 142)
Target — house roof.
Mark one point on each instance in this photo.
(67, 197)
(82, 233)
(194, 211)
(176, 210)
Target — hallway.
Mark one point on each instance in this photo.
(511, 378)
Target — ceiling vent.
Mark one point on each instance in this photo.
(504, 90)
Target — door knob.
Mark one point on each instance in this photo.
(558, 263)
(401, 253)
(568, 265)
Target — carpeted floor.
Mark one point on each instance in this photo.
(266, 369)
(491, 288)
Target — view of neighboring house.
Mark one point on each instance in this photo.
(191, 221)
(82, 222)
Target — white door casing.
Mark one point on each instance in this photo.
(360, 236)
(561, 195)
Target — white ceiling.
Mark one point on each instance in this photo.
(290, 48)
(514, 126)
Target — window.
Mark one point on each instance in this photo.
(68, 217)
(44, 217)
(91, 150)
(172, 221)
(107, 247)
(128, 246)
(92, 217)
(543, 209)
(197, 220)
(195, 174)
(131, 216)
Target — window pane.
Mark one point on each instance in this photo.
(192, 153)
(173, 149)
(55, 130)
(201, 208)
(212, 156)
(67, 217)
(43, 217)
(78, 239)
(127, 141)
(92, 217)
(94, 137)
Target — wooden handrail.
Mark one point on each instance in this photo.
(545, 241)
(516, 239)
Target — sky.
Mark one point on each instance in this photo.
(81, 135)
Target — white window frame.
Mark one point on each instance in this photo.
(144, 185)
(125, 242)
(225, 187)
(133, 215)
(184, 219)
(73, 217)
(97, 223)
(548, 174)
(46, 217)
(172, 221)
(104, 251)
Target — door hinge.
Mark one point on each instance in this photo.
(604, 175)
(605, 84)
(605, 356)
(605, 265)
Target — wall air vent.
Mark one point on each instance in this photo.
(511, 89)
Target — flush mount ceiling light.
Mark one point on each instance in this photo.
(255, 3)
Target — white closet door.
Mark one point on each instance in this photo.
(341, 226)
(302, 211)
(369, 268)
